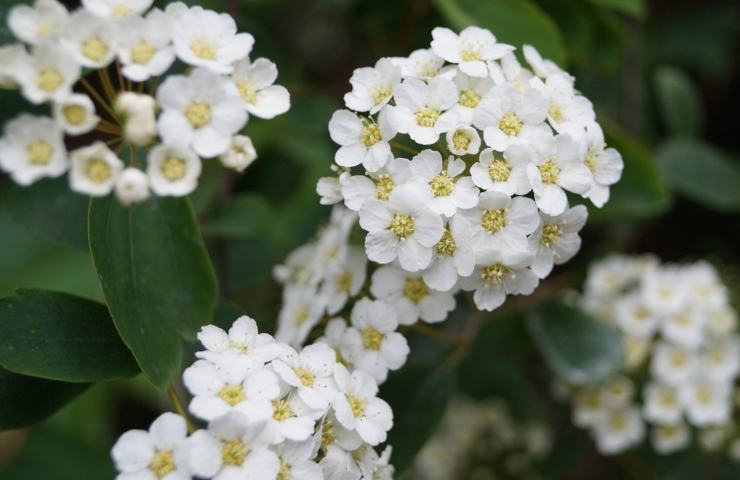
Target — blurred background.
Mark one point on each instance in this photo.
(663, 76)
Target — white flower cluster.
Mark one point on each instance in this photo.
(682, 355)
(203, 108)
(484, 205)
(272, 413)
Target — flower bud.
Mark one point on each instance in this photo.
(139, 123)
(132, 186)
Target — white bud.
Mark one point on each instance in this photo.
(240, 155)
(132, 186)
(140, 124)
(10, 57)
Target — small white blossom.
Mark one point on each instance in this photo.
(505, 173)
(357, 406)
(41, 22)
(310, 372)
(496, 276)
(240, 155)
(357, 189)
(372, 88)
(470, 49)
(139, 123)
(132, 186)
(173, 170)
(242, 338)
(606, 164)
(706, 402)
(453, 256)
(144, 46)
(619, 430)
(94, 170)
(255, 80)
(117, 8)
(668, 439)
(76, 114)
(422, 108)
(556, 240)
(47, 74)
(89, 39)
(410, 296)
(440, 179)
(507, 117)
(362, 140)
(32, 148)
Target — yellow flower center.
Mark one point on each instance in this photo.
(174, 168)
(357, 404)
(493, 220)
(281, 411)
(703, 395)
(446, 246)
(301, 316)
(370, 134)
(442, 185)
(198, 114)
(344, 282)
(372, 339)
(44, 29)
(555, 112)
(591, 161)
(163, 463)
(203, 49)
(305, 376)
(120, 10)
(427, 117)
(95, 49)
(510, 124)
(98, 170)
(234, 452)
(494, 273)
(39, 153)
(470, 55)
(667, 398)
(499, 170)
(618, 421)
(284, 472)
(551, 235)
(717, 355)
(49, 79)
(415, 289)
(549, 172)
(142, 52)
(591, 400)
(384, 187)
(74, 114)
(232, 394)
(468, 98)
(381, 93)
(461, 140)
(679, 359)
(402, 226)
(248, 92)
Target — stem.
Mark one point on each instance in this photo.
(97, 97)
(108, 87)
(437, 334)
(404, 148)
(154, 85)
(179, 408)
(134, 160)
(120, 78)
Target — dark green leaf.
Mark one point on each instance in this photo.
(636, 8)
(244, 216)
(516, 22)
(25, 401)
(579, 348)
(51, 209)
(61, 337)
(701, 172)
(156, 276)
(678, 101)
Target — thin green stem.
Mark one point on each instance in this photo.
(179, 408)
(94, 93)
(404, 148)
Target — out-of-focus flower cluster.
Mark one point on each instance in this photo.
(482, 440)
(682, 356)
(272, 412)
(462, 164)
(127, 105)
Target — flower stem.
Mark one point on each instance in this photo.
(404, 148)
(94, 93)
(179, 408)
(107, 83)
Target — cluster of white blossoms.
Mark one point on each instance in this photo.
(493, 148)
(682, 356)
(167, 124)
(272, 413)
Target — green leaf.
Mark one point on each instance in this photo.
(516, 22)
(61, 337)
(701, 172)
(49, 208)
(25, 401)
(678, 101)
(636, 8)
(156, 276)
(244, 216)
(419, 397)
(579, 348)
(640, 193)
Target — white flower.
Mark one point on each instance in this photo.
(302, 310)
(497, 275)
(402, 228)
(507, 116)
(345, 280)
(240, 155)
(358, 408)
(357, 189)
(94, 170)
(139, 123)
(132, 186)
(588, 407)
(310, 372)
(505, 173)
(567, 111)
(668, 439)
(662, 404)
(410, 296)
(705, 286)
(242, 338)
(296, 461)
(554, 168)
(422, 108)
(334, 337)
(671, 364)
(143, 46)
(202, 110)
(40, 22)
(11, 56)
(161, 452)
(76, 114)
(47, 74)
(463, 140)
(511, 72)
(330, 190)
(422, 63)
(706, 402)
(606, 164)
(232, 448)
(372, 343)
(617, 392)
(117, 8)
(89, 39)
(470, 50)
(470, 92)
(363, 140)
(32, 148)
(541, 67)
(618, 430)
(453, 256)
(501, 222)
(204, 38)
(372, 88)
(663, 290)
(632, 316)
(255, 84)
(232, 384)
(721, 321)
(556, 239)
(291, 419)
(173, 170)
(448, 193)
(684, 328)
(721, 359)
